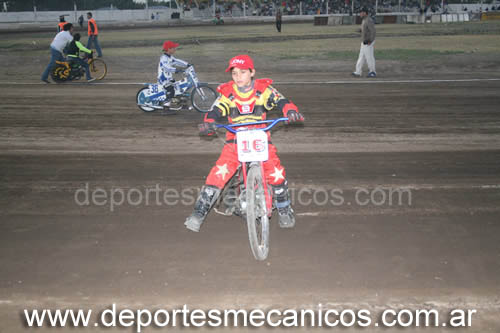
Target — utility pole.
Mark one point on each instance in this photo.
(34, 10)
(75, 10)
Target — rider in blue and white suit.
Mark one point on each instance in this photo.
(166, 68)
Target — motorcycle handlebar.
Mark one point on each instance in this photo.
(271, 123)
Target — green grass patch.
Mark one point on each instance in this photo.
(145, 37)
(341, 55)
(412, 54)
(384, 54)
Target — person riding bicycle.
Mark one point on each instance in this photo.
(242, 100)
(74, 49)
(167, 67)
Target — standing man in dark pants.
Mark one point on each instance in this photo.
(80, 21)
(93, 33)
(278, 20)
(60, 41)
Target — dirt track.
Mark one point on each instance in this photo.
(439, 140)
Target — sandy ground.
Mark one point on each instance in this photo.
(438, 140)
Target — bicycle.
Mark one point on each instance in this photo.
(69, 70)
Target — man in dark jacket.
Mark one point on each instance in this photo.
(367, 44)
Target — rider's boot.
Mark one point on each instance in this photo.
(205, 201)
(169, 94)
(282, 202)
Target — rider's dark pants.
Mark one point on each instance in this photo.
(82, 63)
(170, 91)
(54, 56)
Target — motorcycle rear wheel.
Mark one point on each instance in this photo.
(142, 101)
(60, 73)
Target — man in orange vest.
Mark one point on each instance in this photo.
(60, 25)
(93, 32)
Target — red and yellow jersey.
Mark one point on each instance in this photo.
(238, 107)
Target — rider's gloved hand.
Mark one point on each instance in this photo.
(178, 70)
(207, 129)
(91, 55)
(294, 117)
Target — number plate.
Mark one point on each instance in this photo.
(252, 146)
(154, 89)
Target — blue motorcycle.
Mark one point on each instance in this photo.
(189, 93)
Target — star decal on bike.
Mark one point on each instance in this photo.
(222, 171)
(278, 174)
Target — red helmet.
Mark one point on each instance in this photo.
(169, 45)
(241, 61)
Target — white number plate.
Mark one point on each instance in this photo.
(252, 146)
(154, 89)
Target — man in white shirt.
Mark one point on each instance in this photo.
(60, 41)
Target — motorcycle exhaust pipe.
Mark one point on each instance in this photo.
(157, 107)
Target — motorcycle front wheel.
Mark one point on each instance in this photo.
(202, 98)
(257, 218)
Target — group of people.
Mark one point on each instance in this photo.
(243, 99)
(67, 42)
(248, 99)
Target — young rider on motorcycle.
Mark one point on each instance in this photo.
(243, 100)
(74, 49)
(167, 67)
